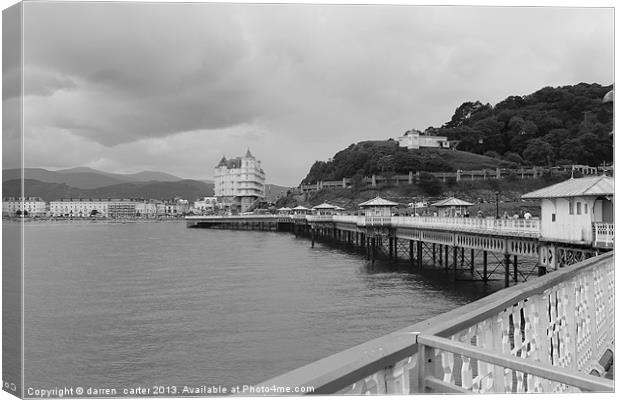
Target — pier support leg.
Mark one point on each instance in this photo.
(391, 246)
(454, 259)
(434, 255)
(312, 235)
(395, 248)
(420, 267)
(411, 251)
(514, 264)
(447, 262)
(440, 255)
(506, 270)
(373, 249)
(485, 278)
(472, 256)
(462, 256)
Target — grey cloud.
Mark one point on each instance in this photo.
(327, 76)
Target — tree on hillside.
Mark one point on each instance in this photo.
(539, 152)
(430, 184)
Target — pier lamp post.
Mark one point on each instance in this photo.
(496, 205)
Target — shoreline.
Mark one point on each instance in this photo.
(90, 221)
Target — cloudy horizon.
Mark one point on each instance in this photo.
(126, 87)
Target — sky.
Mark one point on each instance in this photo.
(127, 87)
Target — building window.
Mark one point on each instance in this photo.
(578, 208)
(585, 208)
(553, 217)
(571, 207)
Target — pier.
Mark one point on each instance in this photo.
(470, 248)
(551, 334)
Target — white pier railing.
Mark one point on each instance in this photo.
(603, 233)
(524, 227)
(545, 335)
(518, 227)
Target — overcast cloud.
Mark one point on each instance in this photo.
(125, 87)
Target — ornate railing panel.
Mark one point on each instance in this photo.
(603, 233)
(545, 335)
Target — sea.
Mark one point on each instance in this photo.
(129, 305)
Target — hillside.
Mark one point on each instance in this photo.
(386, 157)
(48, 191)
(481, 193)
(563, 125)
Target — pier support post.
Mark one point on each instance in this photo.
(411, 251)
(506, 270)
(395, 248)
(312, 235)
(472, 256)
(434, 254)
(440, 256)
(514, 264)
(462, 256)
(420, 255)
(454, 259)
(445, 256)
(485, 278)
(373, 248)
(391, 246)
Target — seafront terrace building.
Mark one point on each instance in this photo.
(79, 207)
(30, 206)
(239, 182)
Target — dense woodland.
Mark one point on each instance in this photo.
(553, 126)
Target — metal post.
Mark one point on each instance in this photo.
(420, 255)
(514, 263)
(312, 234)
(395, 248)
(485, 278)
(391, 246)
(440, 255)
(506, 270)
(373, 248)
(434, 258)
(473, 255)
(446, 256)
(411, 251)
(462, 256)
(454, 259)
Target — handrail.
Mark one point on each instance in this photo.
(557, 374)
(384, 355)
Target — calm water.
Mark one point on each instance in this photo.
(160, 304)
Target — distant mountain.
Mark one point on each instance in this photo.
(86, 178)
(48, 191)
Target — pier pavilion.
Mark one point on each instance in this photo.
(551, 334)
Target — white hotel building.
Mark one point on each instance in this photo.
(239, 181)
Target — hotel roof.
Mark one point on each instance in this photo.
(300, 208)
(589, 186)
(451, 202)
(378, 202)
